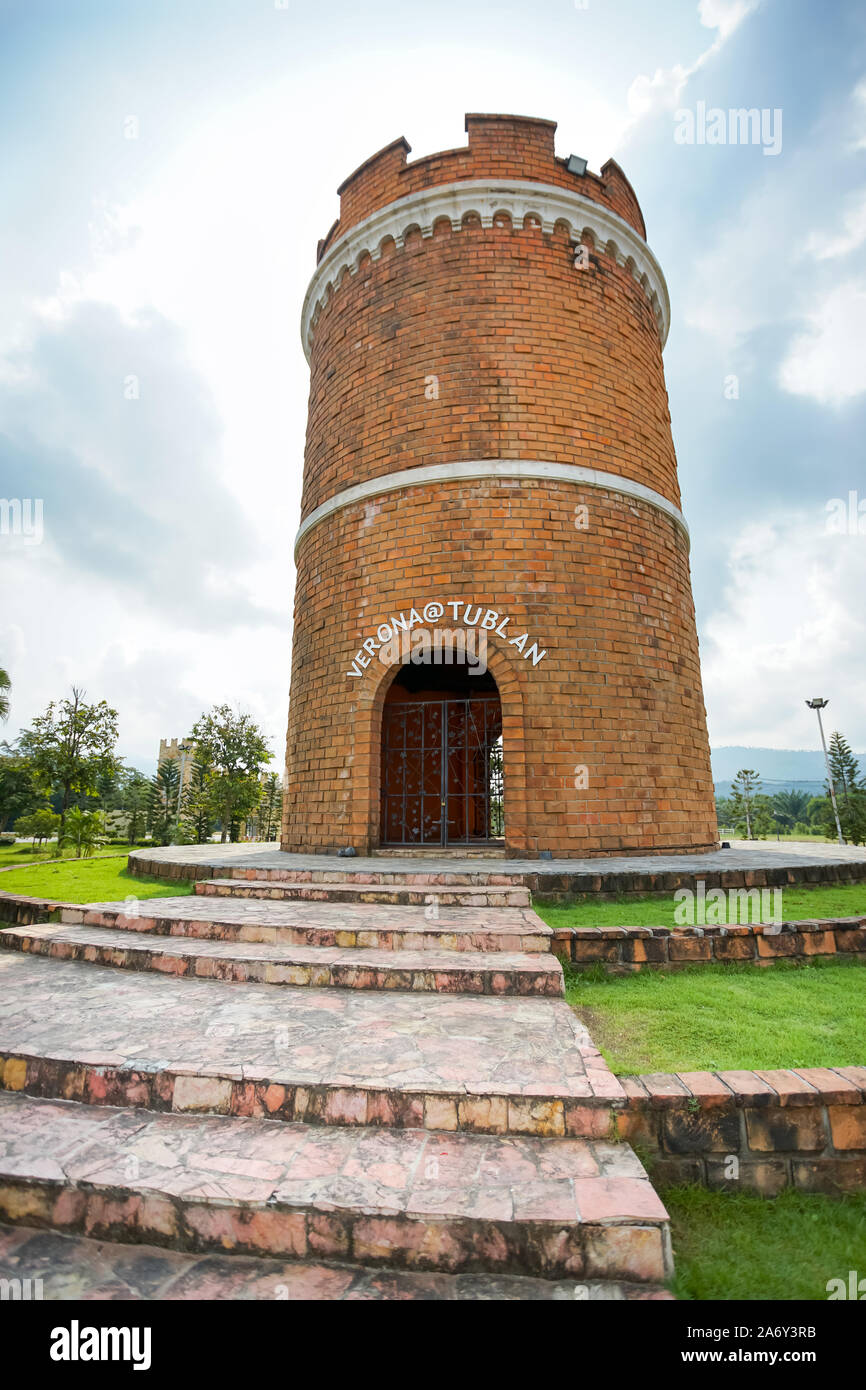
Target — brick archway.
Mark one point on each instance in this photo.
(368, 739)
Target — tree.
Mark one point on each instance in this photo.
(135, 802)
(5, 687)
(18, 792)
(235, 750)
(748, 805)
(850, 790)
(270, 806)
(197, 813)
(763, 819)
(71, 746)
(41, 825)
(82, 830)
(815, 812)
(790, 807)
(109, 788)
(162, 801)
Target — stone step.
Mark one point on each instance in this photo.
(383, 928)
(467, 1063)
(433, 895)
(406, 872)
(450, 972)
(75, 1268)
(459, 1203)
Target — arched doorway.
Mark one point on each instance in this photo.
(442, 773)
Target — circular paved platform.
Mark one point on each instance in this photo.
(746, 863)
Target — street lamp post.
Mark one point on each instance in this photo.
(183, 749)
(817, 705)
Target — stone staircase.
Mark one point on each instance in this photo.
(416, 1112)
(468, 889)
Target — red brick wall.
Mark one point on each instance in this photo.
(758, 1130)
(622, 950)
(535, 360)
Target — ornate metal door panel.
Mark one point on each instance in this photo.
(442, 771)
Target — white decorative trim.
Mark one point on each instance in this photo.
(504, 469)
(487, 198)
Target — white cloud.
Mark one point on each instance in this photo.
(662, 91)
(791, 623)
(852, 236)
(827, 362)
(724, 15)
(160, 674)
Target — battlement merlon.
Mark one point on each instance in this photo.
(499, 147)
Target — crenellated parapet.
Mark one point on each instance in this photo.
(507, 175)
(499, 147)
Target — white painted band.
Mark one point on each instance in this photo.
(503, 469)
(488, 198)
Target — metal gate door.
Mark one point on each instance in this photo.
(442, 780)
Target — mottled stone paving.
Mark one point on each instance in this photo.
(340, 1056)
(741, 855)
(444, 972)
(384, 927)
(458, 895)
(554, 1208)
(76, 1268)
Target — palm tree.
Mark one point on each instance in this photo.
(5, 687)
(790, 806)
(83, 830)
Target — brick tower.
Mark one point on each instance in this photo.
(494, 638)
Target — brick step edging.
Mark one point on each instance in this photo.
(16, 909)
(621, 950)
(760, 1130)
(492, 973)
(194, 1089)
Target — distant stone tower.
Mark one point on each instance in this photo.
(489, 462)
(172, 751)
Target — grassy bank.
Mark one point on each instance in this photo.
(720, 1017)
(22, 853)
(99, 879)
(730, 1245)
(846, 900)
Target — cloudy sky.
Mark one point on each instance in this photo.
(166, 171)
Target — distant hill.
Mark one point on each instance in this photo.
(780, 769)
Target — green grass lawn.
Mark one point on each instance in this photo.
(730, 1245)
(23, 854)
(20, 853)
(845, 900)
(725, 1017)
(100, 879)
